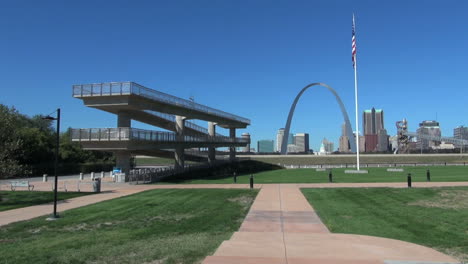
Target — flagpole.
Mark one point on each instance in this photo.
(356, 102)
(356, 93)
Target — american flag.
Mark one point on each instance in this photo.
(353, 45)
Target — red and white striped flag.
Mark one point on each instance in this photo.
(353, 45)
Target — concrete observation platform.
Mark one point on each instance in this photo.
(131, 101)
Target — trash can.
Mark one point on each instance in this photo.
(97, 185)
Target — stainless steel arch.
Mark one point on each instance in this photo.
(284, 144)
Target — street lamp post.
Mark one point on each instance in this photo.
(57, 143)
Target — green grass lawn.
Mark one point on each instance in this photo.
(435, 217)
(365, 158)
(438, 173)
(16, 199)
(157, 226)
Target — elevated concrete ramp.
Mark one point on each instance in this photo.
(127, 96)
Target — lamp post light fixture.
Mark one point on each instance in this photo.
(57, 143)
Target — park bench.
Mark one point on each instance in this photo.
(15, 184)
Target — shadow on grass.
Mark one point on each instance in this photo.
(224, 171)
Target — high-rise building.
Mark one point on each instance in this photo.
(344, 145)
(279, 139)
(460, 132)
(374, 131)
(301, 140)
(327, 145)
(266, 146)
(373, 121)
(382, 140)
(430, 128)
(362, 142)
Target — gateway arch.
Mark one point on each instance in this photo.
(284, 144)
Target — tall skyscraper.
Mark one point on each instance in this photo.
(279, 139)
(344, 145)
(430, 128)
(328, 145)
(301, 140)
(374, 131)
(266, 146)
(460, 132)
(373, 121)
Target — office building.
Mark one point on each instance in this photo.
(431, 129)
(266, 146)
(460, 132)
(279, 139)
(344, 145)
(376, 138)
(301, 140)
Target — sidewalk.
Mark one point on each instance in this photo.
(282, 228)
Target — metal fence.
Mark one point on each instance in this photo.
(126, 133)
(126, 88)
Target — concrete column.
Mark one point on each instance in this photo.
(179, 151)
(232, 150)
(123, 161)
(211, 150)
(124, 120)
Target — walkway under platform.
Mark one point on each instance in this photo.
(283, 228)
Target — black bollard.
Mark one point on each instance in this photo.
(330, 177)
(409, 180)
(428, 175)
(235, 177)
(251, 181)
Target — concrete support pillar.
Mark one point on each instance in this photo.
(123, 161)
(179, 158)
(124, 120)
(179, 151)
(211, 150)
(232, 150)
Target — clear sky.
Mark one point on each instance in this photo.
(250, 58)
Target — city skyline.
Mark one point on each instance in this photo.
(248, 58)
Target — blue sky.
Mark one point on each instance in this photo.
(250, 58)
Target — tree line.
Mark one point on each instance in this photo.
(27, 148)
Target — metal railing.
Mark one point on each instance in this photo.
(125, 88)
(126, 133)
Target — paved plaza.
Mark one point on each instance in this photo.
(281, 226)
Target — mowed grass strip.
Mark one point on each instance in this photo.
(434, 217)
(17, 199)
(438, 174)
(157, 226)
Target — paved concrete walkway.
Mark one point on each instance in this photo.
(283, 228)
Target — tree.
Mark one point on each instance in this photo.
(10, 143)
